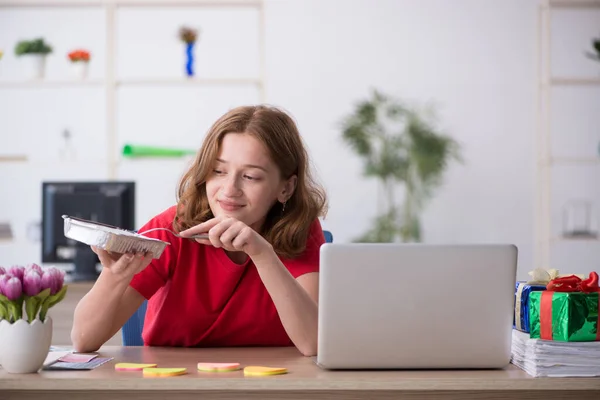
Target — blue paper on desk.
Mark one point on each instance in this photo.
(60, 365)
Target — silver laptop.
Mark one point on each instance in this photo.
(415, 306)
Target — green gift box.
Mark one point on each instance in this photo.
(564, 316)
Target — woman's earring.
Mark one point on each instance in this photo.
(283, 208)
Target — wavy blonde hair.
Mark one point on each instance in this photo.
(286, 231)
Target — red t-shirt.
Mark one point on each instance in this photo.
(199, 297)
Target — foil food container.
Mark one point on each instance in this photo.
(111, 238)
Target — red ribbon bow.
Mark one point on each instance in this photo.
(570, 283)
(574, 283)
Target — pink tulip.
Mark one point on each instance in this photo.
(34, 267)
(53, 278)
(4, 278)
(17, 271)
(2, 271)
(32, 282)
(11, 287)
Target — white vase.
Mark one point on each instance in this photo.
(34, 65)
(24, 346)
(79, 69)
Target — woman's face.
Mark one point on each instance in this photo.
(245, 182)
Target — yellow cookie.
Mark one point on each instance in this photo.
(132, 366)
(164, 371)
(263, 371)
(218, 367)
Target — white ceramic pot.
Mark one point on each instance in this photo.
(24, 346)
(34, 65)
(79, 69)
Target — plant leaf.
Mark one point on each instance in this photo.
(56, 298)
(15, 314)
(41, 296)
(45, 304)
(31, 307)
(4, 312)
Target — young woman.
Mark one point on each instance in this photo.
(254, 282)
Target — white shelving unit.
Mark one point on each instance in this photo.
(575, 81)
(111, 82)
(110, 92)
(546, 161)
(35, 83)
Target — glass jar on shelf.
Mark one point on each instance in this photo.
(579, 220)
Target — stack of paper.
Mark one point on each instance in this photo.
(560, 359)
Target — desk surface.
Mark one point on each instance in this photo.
(304, 380)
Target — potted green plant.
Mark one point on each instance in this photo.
(596, 54)
(402, 149)
(33, 52)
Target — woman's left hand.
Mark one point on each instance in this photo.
(230, 234)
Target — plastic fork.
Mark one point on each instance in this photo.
(200, 236)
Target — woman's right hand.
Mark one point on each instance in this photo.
(123, 266)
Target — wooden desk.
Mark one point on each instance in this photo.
(304, 381)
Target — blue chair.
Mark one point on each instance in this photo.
(131, 333)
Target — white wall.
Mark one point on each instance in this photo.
(475, 59)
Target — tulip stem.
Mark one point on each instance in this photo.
(30, 308)
(4, 313)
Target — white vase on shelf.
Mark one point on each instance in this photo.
(34, 65)
(79, 69)
(24, 346)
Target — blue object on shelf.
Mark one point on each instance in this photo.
(189, 65)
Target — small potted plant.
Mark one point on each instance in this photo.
(596, 54)
(33, 52)
(79, 63)
(26, 294)
(188, 36)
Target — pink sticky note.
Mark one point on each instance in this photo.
(78, 358)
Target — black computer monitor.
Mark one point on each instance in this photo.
(110, 203)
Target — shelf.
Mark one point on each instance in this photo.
(13, 158)
(186, 81)
(41, 83)
(184, 3)
(41, 163)
(574, 3)
(575, 239)
(129, 3)
(51, 3)
(572, 161)
(576, 81)
(575, 160)
(129, 82)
